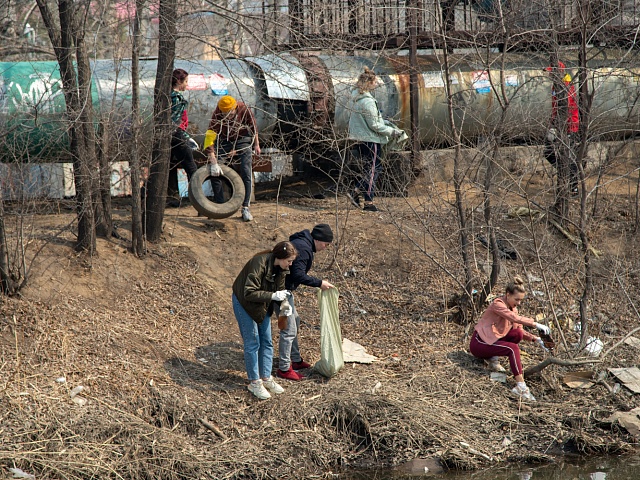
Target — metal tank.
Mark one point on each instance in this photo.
(300, 99)
(514, 95)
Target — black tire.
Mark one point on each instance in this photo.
(210, 209)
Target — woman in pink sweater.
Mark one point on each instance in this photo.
(499, 332)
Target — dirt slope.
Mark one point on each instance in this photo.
(156, 347)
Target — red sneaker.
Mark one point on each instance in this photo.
(301, 365)
(290, 374)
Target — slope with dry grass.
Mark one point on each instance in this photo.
(155, 345)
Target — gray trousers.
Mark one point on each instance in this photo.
(288, 349)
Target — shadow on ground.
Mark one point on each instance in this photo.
(219, 366)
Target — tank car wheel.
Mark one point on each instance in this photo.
(210, 209)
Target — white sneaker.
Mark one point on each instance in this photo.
(524, 393)
(246, 214)
(257, 388)
(493, 364)
(273, 386)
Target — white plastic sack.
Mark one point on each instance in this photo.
(331, 360)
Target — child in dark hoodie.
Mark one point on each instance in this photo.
(306, 243)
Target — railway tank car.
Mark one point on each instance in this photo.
(303, 98)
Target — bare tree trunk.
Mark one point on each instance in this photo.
(157, 185)
(585, 100)
(63, 44)
(137, 235)
(100, 173)
(458, 178)
(7, 281)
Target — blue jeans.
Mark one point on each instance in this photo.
(258, 345)
(288, 348)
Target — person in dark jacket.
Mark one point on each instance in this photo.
(258, 287)
(306, 244)
(182, 145)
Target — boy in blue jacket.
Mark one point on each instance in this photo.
(307, 244)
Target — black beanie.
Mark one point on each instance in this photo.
(322, 233)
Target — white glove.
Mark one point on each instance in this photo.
(280, 295)
(192, 144)
(541, 344)
(543, 328)
(552, 134)
(215, 170)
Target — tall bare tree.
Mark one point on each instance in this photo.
(159, 173)
(67, 37)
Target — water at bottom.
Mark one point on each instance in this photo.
(566, 468)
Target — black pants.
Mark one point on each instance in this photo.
(241, 162)
(369, 165)
(181, 157)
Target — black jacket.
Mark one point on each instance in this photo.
(298, 272)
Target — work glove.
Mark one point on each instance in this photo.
(552, 134)
(280, 295)
(192, 144)
(540, 342)
(543, 328)
(215, 170)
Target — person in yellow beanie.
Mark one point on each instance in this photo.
(236, 140)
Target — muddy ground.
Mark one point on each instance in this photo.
(156, 347)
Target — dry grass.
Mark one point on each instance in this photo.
(156, 347)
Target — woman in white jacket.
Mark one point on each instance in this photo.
(368, 129)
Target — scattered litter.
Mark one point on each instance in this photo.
(524, 212)
(537, 293)
(498, 377)
(506, 441)
(17, 473)
(76, 391)
(475, 452)
(628, 420)
(61, 380)
(594, 346)
(582, 379)
(506, 251)
(630, 377)
(533, 278)
(354, 352)
(79, 400)
(376, 387)
(202, 359)
(352, 272)
(633, 341)
(361, 311)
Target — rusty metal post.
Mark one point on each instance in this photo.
(414, 91)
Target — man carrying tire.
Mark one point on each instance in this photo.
(236, 140)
